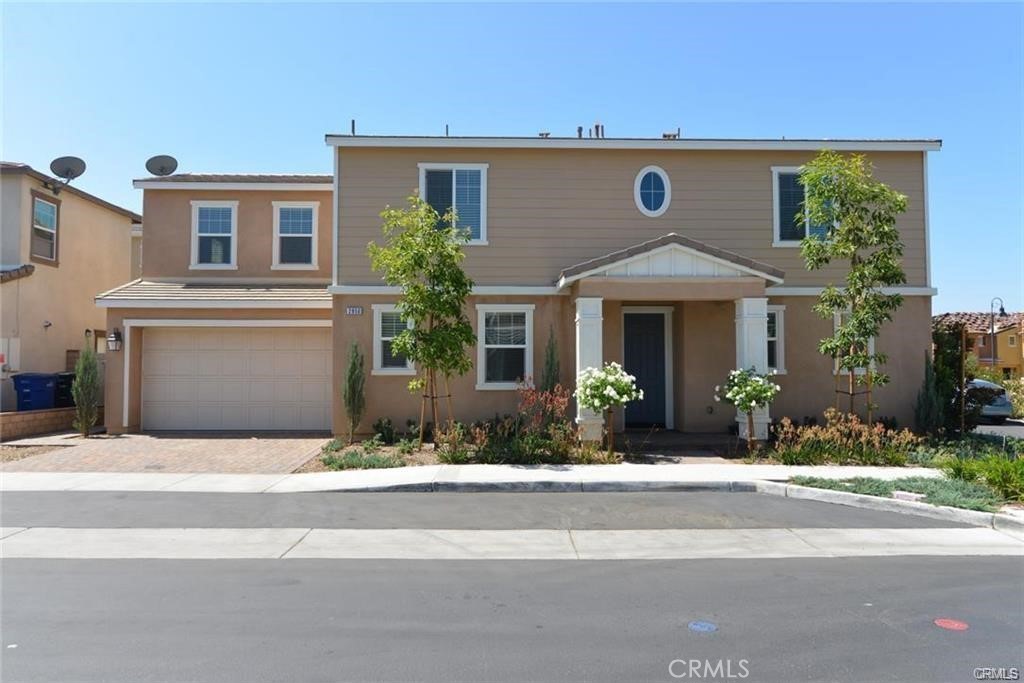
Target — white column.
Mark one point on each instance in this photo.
(589, 354)
(752, 352)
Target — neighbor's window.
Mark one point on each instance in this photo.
(1011, 340)
(44, 228)
(789, 203)
(776, 343)
(504, 345)
(295, 225)
(388, 324)
(215, 234)
(652, 191)
(462, 186)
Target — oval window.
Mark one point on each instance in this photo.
(652, 191)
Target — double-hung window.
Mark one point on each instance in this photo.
(214, 235)
(776, 339)
(504, 345)
(790, 210)
(295, 228)
(45, 215)
(388, 324)
(462, 187)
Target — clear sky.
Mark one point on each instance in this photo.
(254, 87)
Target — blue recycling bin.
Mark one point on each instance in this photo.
(35, 390)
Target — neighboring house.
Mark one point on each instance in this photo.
(679, 258)
(58, 251)
(1007, 353)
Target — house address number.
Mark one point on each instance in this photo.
(353, 310)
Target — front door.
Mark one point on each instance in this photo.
(644, 354)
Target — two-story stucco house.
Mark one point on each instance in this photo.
(677, 257)
(59, 249)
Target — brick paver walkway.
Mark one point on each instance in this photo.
(235, 453)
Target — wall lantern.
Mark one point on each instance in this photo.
(114, 340)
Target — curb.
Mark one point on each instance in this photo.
(553, 487)
(1000, 522)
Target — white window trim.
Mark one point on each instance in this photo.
(378, 360)
(835, 363)
(636, 191)
(780, 338)
(219, 204)
(443, 166)
(777, 240)
(56, 227)
(276, 263)
(481, 349)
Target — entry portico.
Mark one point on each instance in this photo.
(650, 281)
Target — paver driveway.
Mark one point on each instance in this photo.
(170, 452)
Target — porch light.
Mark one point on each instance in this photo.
(114, 340)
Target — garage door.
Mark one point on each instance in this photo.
(236, 378)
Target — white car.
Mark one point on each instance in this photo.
(999, 408)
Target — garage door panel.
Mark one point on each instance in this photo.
(236, 378)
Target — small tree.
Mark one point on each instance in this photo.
(748, 391)
(423, 257)
(550, 378)
(849, 216)
(85, 391)
(929, 412)
(605, 389)
(354, 391)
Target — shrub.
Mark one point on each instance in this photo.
(360, 460)
(1005, 475)
(603, 389)
(385, 430)
(551, 376)
(929, 412)
(748, 391)
(843, 440)
(407, 446)
(451, 445)
(85, 391)
(354, 393)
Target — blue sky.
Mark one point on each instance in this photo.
(254, 87)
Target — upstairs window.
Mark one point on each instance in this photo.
(214, 235)
(388, 324)
(295, 229)
(652, 191)
(790, 198)
(45, 214)
(462, 187)
(504, 345)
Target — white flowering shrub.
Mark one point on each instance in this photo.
(607, 387)
(747, 390)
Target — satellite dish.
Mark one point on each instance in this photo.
(162, 164)
(67, 168)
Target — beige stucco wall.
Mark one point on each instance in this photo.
(114, 376)
(93, 247)
(167, 235)
(550, 209)
(704, 350)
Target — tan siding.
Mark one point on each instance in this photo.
(167, 236)
(551, 209)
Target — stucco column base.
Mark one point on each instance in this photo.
(761, 423)
(591, 427)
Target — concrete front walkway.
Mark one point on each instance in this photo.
(187, 453)
(452, 478)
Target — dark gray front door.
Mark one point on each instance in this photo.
(644, 354)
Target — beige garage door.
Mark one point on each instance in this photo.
(236, 378)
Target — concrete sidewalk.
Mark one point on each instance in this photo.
(624, 477)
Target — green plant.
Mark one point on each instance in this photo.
(451, 445)
(603, 389)
(423, 258)
(956, 493)
(406, 447)
(86, 392)
(360, 460)
(385, 430)
(372, 445)
(354, 393)
(551, 376)
(929, 411)
(748, 391)
(849, 216)
(843, 440)
(1003, 474)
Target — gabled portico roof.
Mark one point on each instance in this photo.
(671, 255)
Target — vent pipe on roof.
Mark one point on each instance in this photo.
(544, 134)
(353, 126)
(590, 132)
(579, 131)
(446, 130)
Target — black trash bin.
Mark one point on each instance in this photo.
(62, 397)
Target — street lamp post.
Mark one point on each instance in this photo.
(992, 327)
